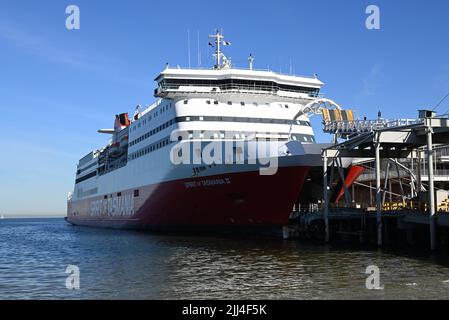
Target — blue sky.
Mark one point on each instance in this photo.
(57, 87)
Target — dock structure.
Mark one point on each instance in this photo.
(403, 140)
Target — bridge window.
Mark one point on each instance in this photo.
(231, 84)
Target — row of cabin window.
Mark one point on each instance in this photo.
(152, 132)
(216, 118)
(145, 119)
(86, 168)
(243, 119)
(166, 141)
(221, 135)
(153, 147)
(119, 194)
(303, 138)
(216, 135)
(86, 177)
(286, 106)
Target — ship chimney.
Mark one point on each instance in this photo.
(250, 61)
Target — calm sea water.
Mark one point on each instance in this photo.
(134, 265)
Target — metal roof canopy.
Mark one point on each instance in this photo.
(391, 142)
(394, 142)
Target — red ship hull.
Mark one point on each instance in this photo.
(244, 199)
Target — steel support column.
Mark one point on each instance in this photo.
(325, 199)
(431, 190)
(378, 192)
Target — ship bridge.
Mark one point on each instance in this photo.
(174, 82)
(223, 78)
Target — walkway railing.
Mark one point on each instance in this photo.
(182, 87)
(362, 126)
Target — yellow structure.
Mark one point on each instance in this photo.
(331, 115)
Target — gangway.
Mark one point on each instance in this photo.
(343, 123)
(392, 140)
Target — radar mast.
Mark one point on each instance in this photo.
(221, 61)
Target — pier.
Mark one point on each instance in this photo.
(406, 227)
(391, 149)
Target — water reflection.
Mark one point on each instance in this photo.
(135, 265)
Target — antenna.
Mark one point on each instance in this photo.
(250, 61)
(219, 56)
(441, 101)
(198, 49)
(218, 37)
(188, 45)
(291, 67)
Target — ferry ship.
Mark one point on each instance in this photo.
(156, 170)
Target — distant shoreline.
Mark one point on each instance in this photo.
(33, 217)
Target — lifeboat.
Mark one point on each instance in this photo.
(114, 149)
(124, 141)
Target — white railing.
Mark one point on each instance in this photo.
(235, 87)
(360, 126)
(244, 69)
